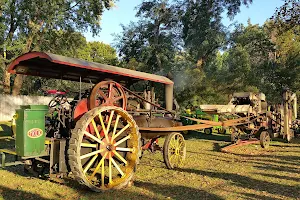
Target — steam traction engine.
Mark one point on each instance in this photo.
(99, 135)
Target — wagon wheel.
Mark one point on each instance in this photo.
(106, 162)
(107, 93)
(265, 139)
(174, 151)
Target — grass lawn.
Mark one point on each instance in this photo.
(250, 172)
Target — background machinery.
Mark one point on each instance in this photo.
(249, 114)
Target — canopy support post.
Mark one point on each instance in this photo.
(79, 88)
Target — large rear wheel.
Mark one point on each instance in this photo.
(105, 156)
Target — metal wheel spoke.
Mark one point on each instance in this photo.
(88, 145)
(117, 166)
(91, 154)
(172, 156)
(109, 168)
(102, 172)
(110, 90)
(102, 94)
(118, 98)
(115, 127)
(95, 128)
(98, 166)
(93, 137)
(181, 144)
(122, 140)
(120, 157)
(124, 149)
(88, 166)
(172, 145)
(121, 131)
(109, 121)
(103, 126)
(178, 160)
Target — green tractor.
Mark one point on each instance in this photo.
(197, 113)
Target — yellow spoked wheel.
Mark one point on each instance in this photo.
(104, 148)
(174, 151)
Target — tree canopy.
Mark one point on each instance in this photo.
(207, 60)
(185, 39)
(28, 25)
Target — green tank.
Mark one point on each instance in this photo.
(30, 130)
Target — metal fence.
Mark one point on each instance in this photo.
(9, 104)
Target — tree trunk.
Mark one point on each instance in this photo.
(6, 82)
(17, 84)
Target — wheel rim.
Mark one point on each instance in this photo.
(176, 150)
(207, 131)
(107, 93)
(108, 155)
(221, 131)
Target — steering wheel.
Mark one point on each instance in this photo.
(58, 100)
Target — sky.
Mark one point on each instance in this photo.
(124, 12)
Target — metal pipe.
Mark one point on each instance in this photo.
(295, 107)
(286, 127)
(80, 88)
(169, 96)
(3, 160)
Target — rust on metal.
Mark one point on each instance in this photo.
(228, 148)
(143, 99)
(61, 67)
(176, 128)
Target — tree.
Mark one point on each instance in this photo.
(102, 53)
(152, 40)
(203, 32)
(182, 37)
(71, 44)
(29, 21)
(287, 16)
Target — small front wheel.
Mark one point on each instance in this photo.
(222, 131)
(174, 151)
(208, 131)
(265, 139)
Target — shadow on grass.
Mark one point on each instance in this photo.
(250, 183)
(176, 191)
(200, 135)
(280, 177)
(9, 194)
(278, 159)
(278, 168)
(263, 161)
(85, 193)
(255, 196)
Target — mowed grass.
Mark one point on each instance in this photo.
(249, 172)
